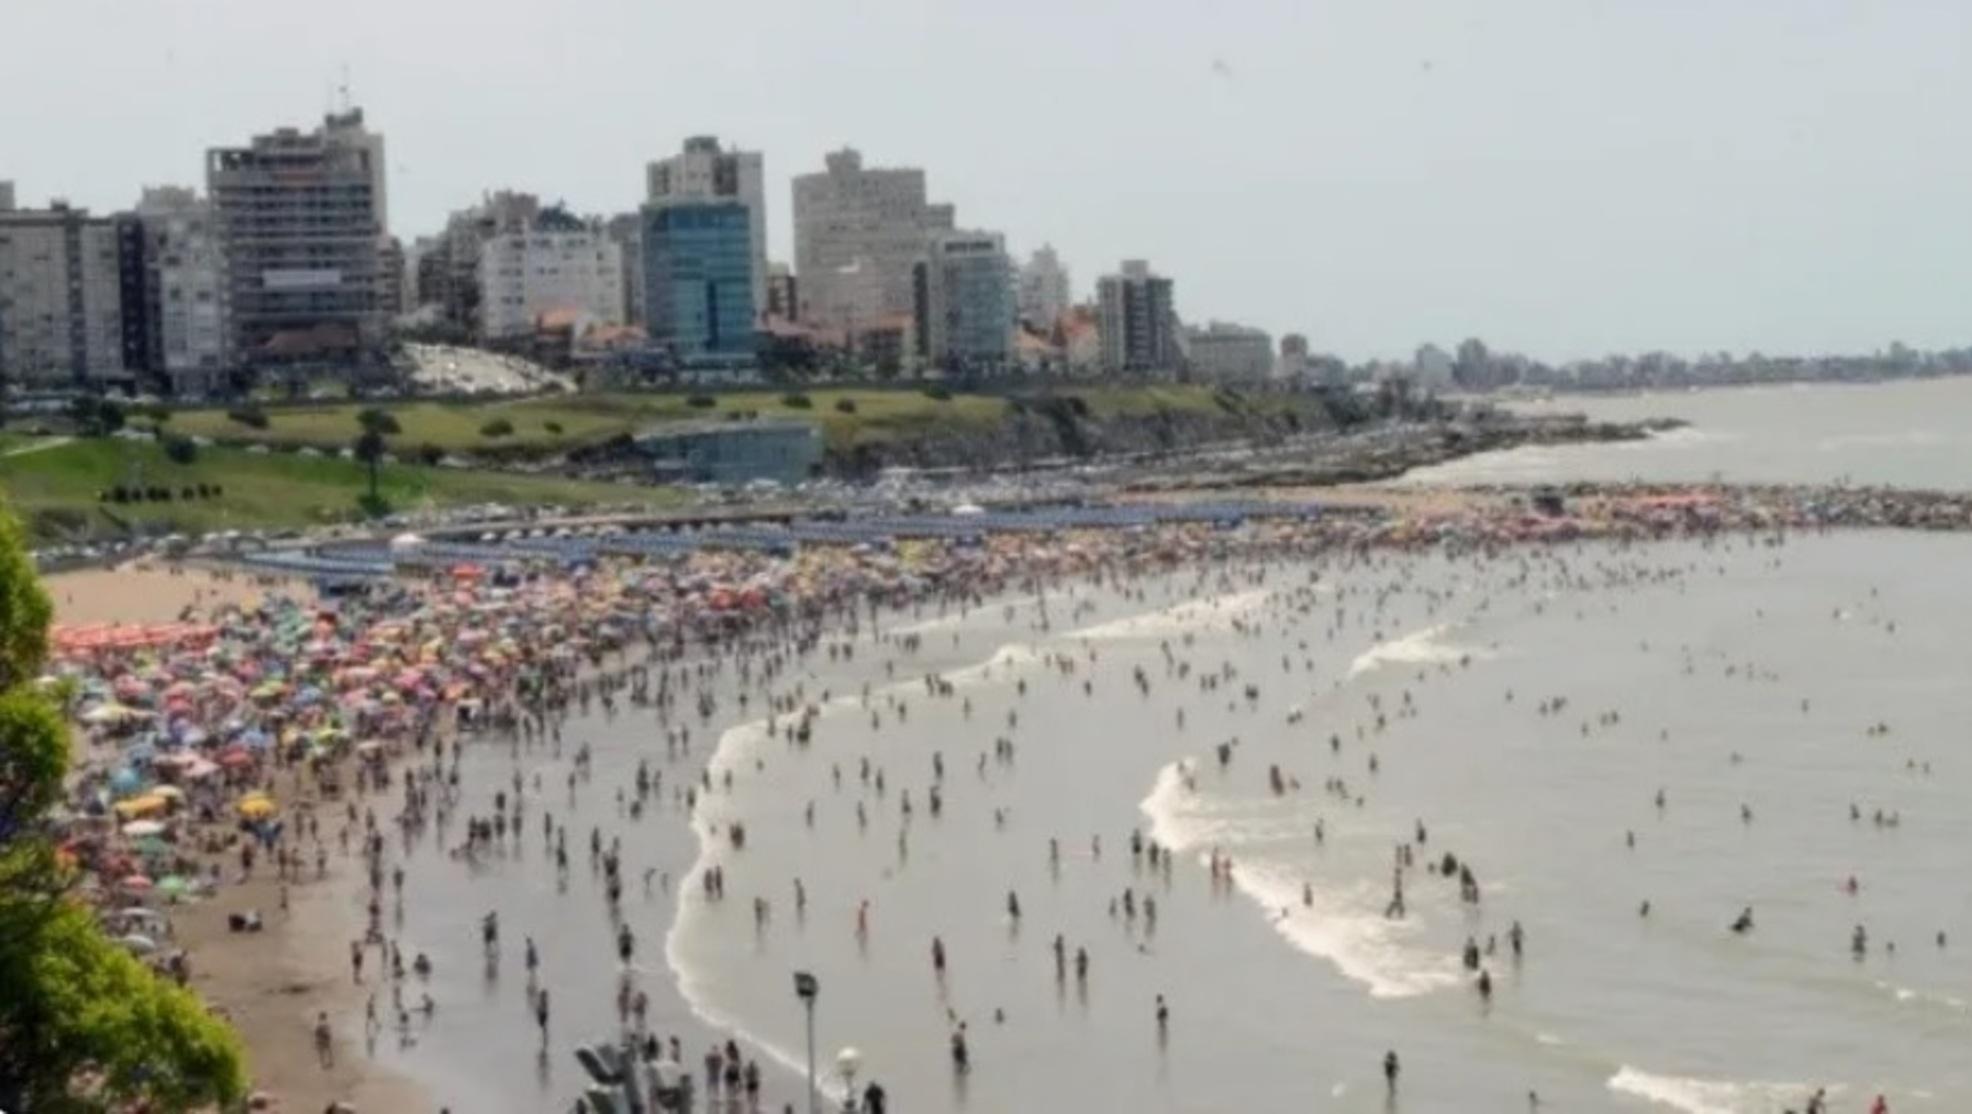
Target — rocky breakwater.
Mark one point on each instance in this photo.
(1388, 450)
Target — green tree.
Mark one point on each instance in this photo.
(370, 449)
(83, 1025)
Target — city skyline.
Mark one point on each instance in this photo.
(1367, 178)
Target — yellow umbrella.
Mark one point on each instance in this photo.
(139, 806)
(257, 808)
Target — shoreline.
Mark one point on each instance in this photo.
(270, 983)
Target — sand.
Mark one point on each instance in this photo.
(152, 592)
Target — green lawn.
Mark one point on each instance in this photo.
(56, 491)
(879, 416)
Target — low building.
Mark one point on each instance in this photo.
(727, 452)
(1226, 353)
(556, 263)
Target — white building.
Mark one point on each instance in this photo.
(1044, 289)
(557, 262)
(184, 289)
(61, 298)
(1431, 368)
(1223, 352)
(863, 227)
(703, 171)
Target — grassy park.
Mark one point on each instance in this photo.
(57, 490)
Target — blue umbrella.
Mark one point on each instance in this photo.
(126, 780)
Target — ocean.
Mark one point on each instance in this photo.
(1795, 700)
(1909, 433)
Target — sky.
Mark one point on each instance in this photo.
(1565, 178)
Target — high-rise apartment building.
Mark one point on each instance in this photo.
(61, 296)
(783, 293)
(704, 171)
(557, 262)
(184, 289)
(1138, 320)
(626, 231)
(698, 280)
(302, 219)
(858, 235)
(1044, 289)
(965, 303)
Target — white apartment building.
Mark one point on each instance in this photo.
(558, 263)
(1044, 289)
(703, 171)
(61, 308)
(184, 289)
(1226, 353)
(863, 228)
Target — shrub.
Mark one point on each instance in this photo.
(180, 449)
(249, 415)
(701, 402)
(938, 393)
(498, 427)
(430, 454)
(797, 402)
(845, 406)
(552, 427)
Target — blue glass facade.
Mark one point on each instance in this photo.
(698, 279)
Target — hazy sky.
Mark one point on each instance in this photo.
(1563, 177)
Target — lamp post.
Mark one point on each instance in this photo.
(806, 988)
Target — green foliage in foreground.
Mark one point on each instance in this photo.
(83, 1025)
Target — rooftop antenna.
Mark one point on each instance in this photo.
(342, 90)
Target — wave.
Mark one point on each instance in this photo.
(1422, 647)
(1706, 1096)
(1343, 926)
(1192, 616)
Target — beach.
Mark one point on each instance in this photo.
(1201, 756)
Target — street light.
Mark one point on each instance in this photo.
(806, 988)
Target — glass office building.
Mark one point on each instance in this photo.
(698, 280)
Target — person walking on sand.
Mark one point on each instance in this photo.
(1390, 1070)
(324, 1041)
(541, 1014)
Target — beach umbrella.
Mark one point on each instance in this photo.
(174, 885)
(134, 883)
(138, 943)
(257, 807)
(139, 828)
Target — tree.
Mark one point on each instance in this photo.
(381, 422)
(1472, 367)
(76, 1005)
(370, 449)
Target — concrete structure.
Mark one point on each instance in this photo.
(1044, 289)
(858, 235)
(1138, 321)
(698, 288)
(783, 293)
(626, 231)
(1293, 363)
(556, 264)
(1223, 352)
(184, 290)
(734, 452)
(61, 297)
(965, 303)
(302, 219)
(703, 171)
(1431, 368)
